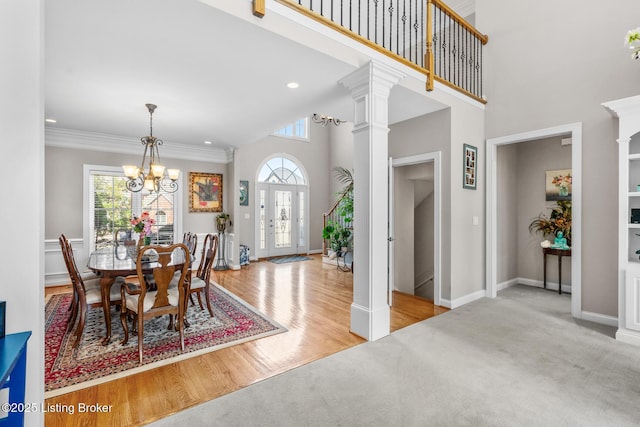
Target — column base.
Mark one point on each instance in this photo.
(370, 324)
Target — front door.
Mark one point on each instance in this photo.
(280, 220)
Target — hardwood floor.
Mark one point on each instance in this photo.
(311, 299)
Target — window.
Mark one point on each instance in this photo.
(281, 170)
(111, 207)
(295, 130)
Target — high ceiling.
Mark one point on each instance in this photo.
(213, 75)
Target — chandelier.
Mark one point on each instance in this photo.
(325, 120)
(153, 177)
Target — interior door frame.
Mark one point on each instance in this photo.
(434, 157)
(575, 131)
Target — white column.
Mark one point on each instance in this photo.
(370, 87)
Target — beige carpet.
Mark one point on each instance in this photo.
(517, 360)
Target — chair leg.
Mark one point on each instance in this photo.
(206, 297)
(74, 314)
(200, 301)
(125, 326)
(140, 336)
(80, 329)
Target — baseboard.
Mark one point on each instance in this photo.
(599, 318)
(314, 252)
(539, 284)
(627, 336)
(507, 284)
(458, 302)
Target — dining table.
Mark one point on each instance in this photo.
(112, 262)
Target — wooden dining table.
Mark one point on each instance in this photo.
(110, 263)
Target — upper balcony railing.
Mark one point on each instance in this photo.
(426, 35)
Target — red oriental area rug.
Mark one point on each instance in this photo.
(68, 369)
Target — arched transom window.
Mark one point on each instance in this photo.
(281, 170)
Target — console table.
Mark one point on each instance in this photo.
(559, 253)
(13, 365)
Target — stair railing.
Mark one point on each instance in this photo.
(426, 35)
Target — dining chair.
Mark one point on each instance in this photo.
(86, 292)
(191, 241)
(143, 304)
(200, 283)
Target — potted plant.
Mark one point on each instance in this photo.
(221, 222)
(559, 219)
(339, 232)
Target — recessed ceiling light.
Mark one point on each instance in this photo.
(208, 142)
(293, 85)
(51, 120)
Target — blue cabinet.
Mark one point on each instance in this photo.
(13, 365)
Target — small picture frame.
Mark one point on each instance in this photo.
(3, 311)
(244, 193)
(205, 192)
(558, 185)
(470, 167)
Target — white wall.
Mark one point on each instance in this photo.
(22, 139)
(403, 230)
(553, 63)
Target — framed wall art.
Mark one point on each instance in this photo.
(205, 192)
(470, 167)
(558, 185)
(244, 193)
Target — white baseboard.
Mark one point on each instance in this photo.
(314, 251)
(531, 282)
(603, 319)
(458, 302)
(627, 336)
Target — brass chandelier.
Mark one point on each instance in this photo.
(153, 177)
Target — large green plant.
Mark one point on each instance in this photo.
(339, 233)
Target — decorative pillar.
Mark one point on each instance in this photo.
(370, 87)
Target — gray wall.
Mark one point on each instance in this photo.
(424, 254)
(403, 230)
(542, 69)
(313, 156)
(521, 198)
(64, 186)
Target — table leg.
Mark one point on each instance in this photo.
(544, 263)
(105, 289)
(560, 274)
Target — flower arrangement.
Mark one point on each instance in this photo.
(632, 40)
(562, 183)
(558, 220)
(142, 224)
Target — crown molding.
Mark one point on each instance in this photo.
(68, 138)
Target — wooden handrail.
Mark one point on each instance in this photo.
(460, 20)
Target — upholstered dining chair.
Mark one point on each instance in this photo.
(200, 283)
(143, 304)
(86, 292)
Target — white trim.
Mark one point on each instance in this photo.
(507, 284)
(459, 302)
(434, 157)
(553, 286)
(627, 336)
(575, 129)
(600, 318)
(314, 251)
(79, 140)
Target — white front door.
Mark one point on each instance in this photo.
(280, 220)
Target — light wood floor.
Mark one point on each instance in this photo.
(311, 299)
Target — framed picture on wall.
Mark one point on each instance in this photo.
(469, 167)
(244, 193)
(558, 185)
(205, 192)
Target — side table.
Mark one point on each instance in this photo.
(559, 253)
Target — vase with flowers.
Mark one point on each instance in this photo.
(562, 183)
(632, 39)
(142, 226)
(558, 221)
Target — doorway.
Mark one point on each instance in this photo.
(281, 207)
(414, 226)
(573, 131)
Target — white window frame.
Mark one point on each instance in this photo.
(293, 124)
(89, 170)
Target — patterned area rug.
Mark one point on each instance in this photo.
(68, 369)
(286, 259)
